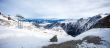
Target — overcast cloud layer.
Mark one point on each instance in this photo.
(55, 8)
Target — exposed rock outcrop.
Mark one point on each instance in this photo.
(76, 28)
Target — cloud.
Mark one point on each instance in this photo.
(55, 8)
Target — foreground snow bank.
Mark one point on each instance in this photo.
(22, 38)
(94, 38)
(102, 32)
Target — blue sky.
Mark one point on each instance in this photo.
(54, 8)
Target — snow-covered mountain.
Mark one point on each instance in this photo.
(31, 36)
(76, 28)
(103, 23)
(43, 20)
(22, 38)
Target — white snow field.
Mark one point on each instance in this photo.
(103, 33)
(22, 38)
(32, 37)
(28, 37)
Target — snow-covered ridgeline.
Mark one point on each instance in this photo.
(81, 25)
(31, 37)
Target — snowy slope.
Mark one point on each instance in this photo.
(28, 37)
(94, 38)
(31, 37)
(103, 33)
(18, 38)
(22, 38)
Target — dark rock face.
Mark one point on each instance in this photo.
(0, 13)
(103, 23)
(54, 39)
(50, 26)
(80, 26)
(93, 39)
(36, 24)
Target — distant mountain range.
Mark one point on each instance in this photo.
(71, 26)
(44, 20)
